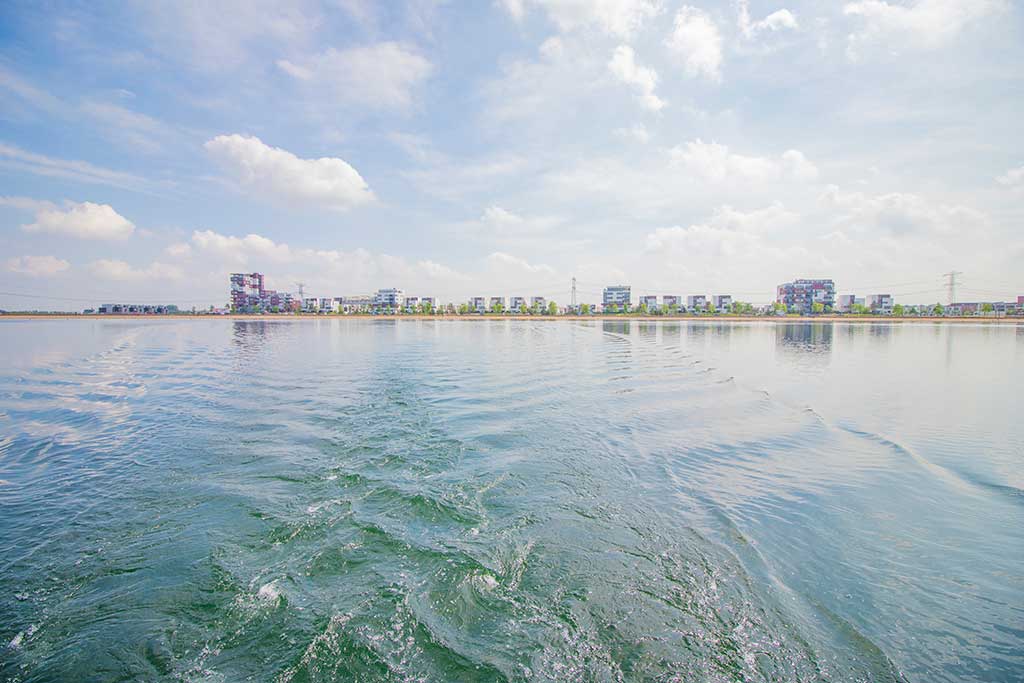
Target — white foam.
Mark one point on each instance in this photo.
(269, 592)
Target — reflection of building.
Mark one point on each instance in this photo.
(617, 295)
(721, 302)
(800, 296)
(813, 340)
(880, 303)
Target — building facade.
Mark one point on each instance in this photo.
(674, 300)
(538, 302)
(616, 295)
(721, 302)
(800, 296)
(697, 302)
(517, 302)
(497, 303)
(650, 302)
(880, 303)
(390, 299)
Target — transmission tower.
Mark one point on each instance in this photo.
(301, 285)
(951, 277)
(573, 302)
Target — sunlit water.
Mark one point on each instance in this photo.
(510, 501)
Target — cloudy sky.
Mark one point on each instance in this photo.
(502, 147)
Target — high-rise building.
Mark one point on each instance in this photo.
(800, 296)
(617, 295)
(246, 290)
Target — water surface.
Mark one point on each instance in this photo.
(217, 500)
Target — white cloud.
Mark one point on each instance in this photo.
(501, 263)
(86, 221)
(714, 162)
(637, 131)
(37, 266)
(697, 41)
(114, 269)
(901, 214)
(81, 171)
(620, 18)
(501, 222)
(381, 75)
(924, 24)
(453, 178)
(1014, 177)
(778, 20)
(623, 66)
(179, 250)
(327, 181)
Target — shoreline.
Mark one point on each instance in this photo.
(494, 317)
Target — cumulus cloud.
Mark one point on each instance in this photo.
(714, 162)
(924, 24)
(779, 20)
(1014, 177)
(697, 43)
(380, 75)
(620, 18)
(117, 270)
(179, 250)
(900, 214)
(327, 181)
(624, 67)
(86, 221)
(37, 266)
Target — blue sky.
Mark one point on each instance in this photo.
(461, 148)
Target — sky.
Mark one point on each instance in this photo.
(503, 147)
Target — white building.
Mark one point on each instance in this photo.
(497, 302)
(430, 301)
(538, 302)
(880, 303)
(617, 295)
(311, 304)
(845, 302)
(650, 301)
(477, 304)
(674, 300)
(721, 302)
(696, 302)
(388, 299)
(517, 303)
(410, 303)
(327, 305)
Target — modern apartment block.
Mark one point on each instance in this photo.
(517, 302)
(721, 302)
(538, 302)
(845, 302)
(429, 301)
(497, 302)
(136, 309)
(616, 295)
(676, 300)
(477, 303)
(649, 301)
(248, 294)
(800, 296)
(388, 299)
(880, 303)
(697, 302)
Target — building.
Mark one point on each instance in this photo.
(136, 309)
(538, 302)
(410, 304)
(721, 302)
(880, 303)
(800, 296)
(650, 302)
(497, 303)
(388, 299)
(674, 300)
(617, 295)
(310, 304)
(517, 302)
(428, 302)
(328, 305)
(477, 304)
(697, 302)
(846, 302)
(246, 290)
(1020, 300)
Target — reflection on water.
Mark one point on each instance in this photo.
(511, 501)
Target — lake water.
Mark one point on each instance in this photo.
(312, 500)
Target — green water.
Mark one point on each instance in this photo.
(510, 501)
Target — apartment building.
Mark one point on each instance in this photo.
(800, 296)
(538, 302)
(649, 301)
(721, 302)
(697, 302)
(388, 299)
(517, 302)
(675, 300)
(880, 303)
(497, 303)
(616, 295)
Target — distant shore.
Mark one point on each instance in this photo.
(565, 318)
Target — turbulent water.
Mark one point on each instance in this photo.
(217, 500)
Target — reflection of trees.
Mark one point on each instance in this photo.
(615, 326)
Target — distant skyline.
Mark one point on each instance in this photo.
(497, 148)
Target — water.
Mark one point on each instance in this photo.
(217, 500)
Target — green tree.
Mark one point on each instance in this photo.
(817, 307)
(497, 308)
(552, 308)
(611, 308)
(938, 309)
(463, 309)
(779, 307)
(585, 309)
(987, 308)
(898, 310)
